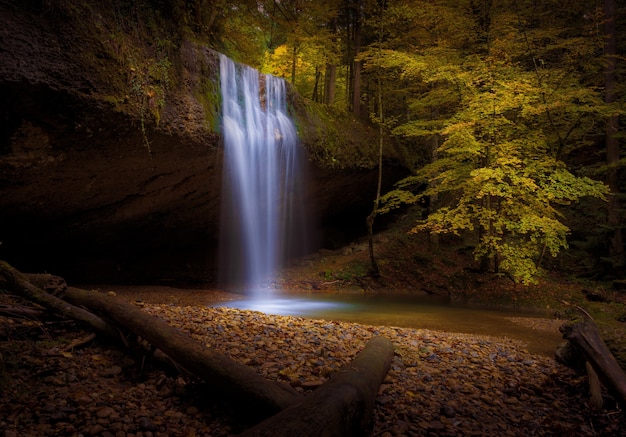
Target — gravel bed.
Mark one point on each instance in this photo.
(439, 384)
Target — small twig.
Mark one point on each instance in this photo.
(79, 342)
(582, 310)
(19, 311)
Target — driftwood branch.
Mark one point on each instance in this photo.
(14, 280)
(340, 407)
(586, 338)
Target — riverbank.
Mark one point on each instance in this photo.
(412, 265)
(538, 332)
(439, 383)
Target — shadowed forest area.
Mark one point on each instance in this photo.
(507, 114)
(468, 151)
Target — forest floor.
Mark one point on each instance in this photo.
(439, 384)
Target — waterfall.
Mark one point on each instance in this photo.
(262, 214)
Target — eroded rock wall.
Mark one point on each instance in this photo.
(110, 153)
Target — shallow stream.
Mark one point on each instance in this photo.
(540, 334)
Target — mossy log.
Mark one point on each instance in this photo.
(585, 337)
(340, 407)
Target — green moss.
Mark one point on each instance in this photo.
(333, 138)
(209, 96)
(352, 270)
(113, 100)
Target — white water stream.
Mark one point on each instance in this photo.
(262, 218)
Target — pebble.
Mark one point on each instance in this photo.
(146, 424)
(439, 384)
(105, 412)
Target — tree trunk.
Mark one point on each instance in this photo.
(433, 199)
(330, 79)
(342, 406)
(356, 65)
(374, 213)
(228, 376)
(294, 63)
(616, 247)
(586, 338)
(356, 91)
(315, 95)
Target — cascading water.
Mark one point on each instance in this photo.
(262, 214)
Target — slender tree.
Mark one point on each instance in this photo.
(380, 119)
(352, 17)
(614, 220)
(330, 73)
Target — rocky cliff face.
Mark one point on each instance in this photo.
(110, 155)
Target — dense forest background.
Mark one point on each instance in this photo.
(509, 113)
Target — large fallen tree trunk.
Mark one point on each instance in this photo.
(230, 377)
(340, 407)
(585, 337)
(221, 372)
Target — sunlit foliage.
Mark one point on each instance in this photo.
(489, 102)
(505, 119)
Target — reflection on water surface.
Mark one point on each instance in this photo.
(422, 313)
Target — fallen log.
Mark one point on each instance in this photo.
(219, 371)
(585, 337)
(340, 407)
(13, 280)
(595, 389)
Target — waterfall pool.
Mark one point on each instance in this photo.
(539, 333)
